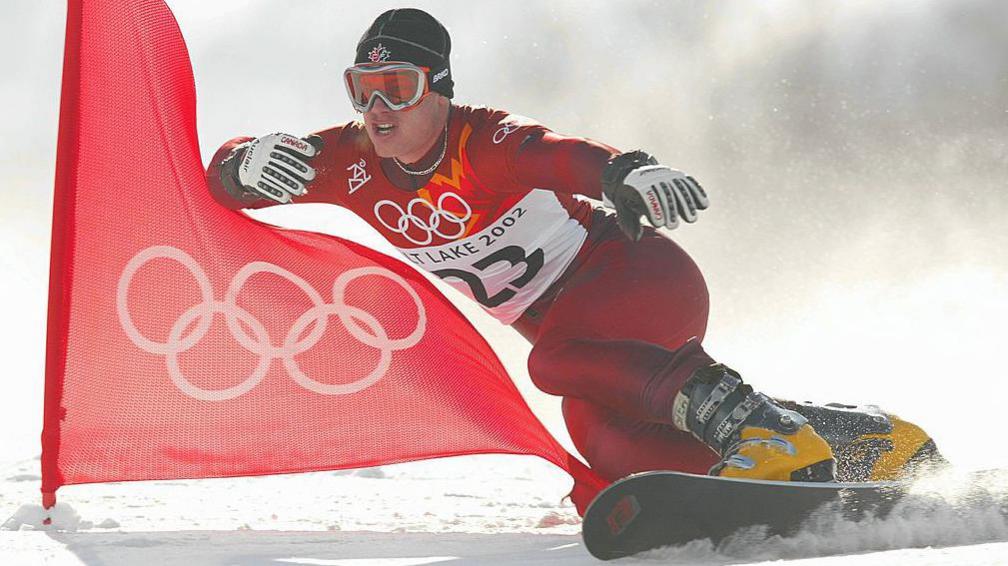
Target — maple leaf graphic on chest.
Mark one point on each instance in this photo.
(455, 195)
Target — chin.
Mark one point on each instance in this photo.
(383, 153)
(383, 150)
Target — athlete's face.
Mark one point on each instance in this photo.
(407, 134)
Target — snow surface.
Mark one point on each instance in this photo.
(478, 510)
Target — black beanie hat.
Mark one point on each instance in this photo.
(412, 36)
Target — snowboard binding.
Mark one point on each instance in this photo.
(755, 436)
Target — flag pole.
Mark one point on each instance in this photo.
(61, 256)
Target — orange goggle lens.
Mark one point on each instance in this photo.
(399, 86)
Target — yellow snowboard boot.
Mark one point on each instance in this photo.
(755, 436)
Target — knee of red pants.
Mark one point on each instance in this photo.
(568, 365)
(615, 446)
(633, 378)
(547, 365)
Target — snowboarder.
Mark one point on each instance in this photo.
(615, 310)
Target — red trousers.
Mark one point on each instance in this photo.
(616, 337)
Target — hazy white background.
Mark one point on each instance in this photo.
(855, 153)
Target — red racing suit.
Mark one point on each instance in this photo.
(610, 320)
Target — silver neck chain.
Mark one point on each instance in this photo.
(429, 170)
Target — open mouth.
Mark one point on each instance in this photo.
(383, 129)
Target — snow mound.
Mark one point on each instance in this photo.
(554, 519)
(371, 473)
(33, 517)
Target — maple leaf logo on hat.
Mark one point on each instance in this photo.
(379, 53)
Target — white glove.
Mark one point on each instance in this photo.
(668, 195)
(275, 166)
(634, 184)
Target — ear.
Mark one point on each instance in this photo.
(441, 100)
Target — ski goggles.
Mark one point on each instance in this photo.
(399, 85)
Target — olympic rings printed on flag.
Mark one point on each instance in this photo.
(431, 226)
(363, 326)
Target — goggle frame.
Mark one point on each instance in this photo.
(423, 88)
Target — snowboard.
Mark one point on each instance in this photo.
(654, 509)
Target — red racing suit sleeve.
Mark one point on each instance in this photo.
(533, 156)
(564, 164)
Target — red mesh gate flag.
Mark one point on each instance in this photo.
(190, 341)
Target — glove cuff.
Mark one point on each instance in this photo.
(229, 176)
(617, 168)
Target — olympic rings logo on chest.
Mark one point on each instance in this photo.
(420, 221)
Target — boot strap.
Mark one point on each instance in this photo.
(696, 421)
(726, 428)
